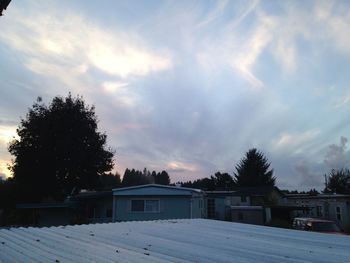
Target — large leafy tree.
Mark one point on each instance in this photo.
(59, 149)
(253, 170)
(338, 181)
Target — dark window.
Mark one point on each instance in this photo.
(109, 212)
(240, 216)
(145, 206)
(137, 205)
(243, 199)
(211, 208)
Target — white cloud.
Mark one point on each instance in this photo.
(7, 134)
(177, 166)
(4, 168)
(70, 44)
(217, 11)
(121, 94)
(295, 142)
(342, 101)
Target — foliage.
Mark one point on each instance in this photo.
(109, 181)
(59, 149)
(161, 178)
(135, 177)
(338, 181)
(220, 181)
(253, 170)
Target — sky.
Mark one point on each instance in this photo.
(189, 86)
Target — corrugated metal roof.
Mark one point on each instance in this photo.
(186, 240)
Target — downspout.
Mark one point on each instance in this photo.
(114, 209)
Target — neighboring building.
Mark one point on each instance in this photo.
(85, 207)
(92, 206)
(245, 204)
(335, 207)
(46, 214)
(256, 215)
(153, 201)
(182, 240)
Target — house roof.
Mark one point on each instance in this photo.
(186, 240)
(256, 190)
(91, 195)
(42, 205)
(155, 189)
(320, 196)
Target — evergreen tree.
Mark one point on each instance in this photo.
(221, 181)
(253, 170)
(338, 181)
(162, 178)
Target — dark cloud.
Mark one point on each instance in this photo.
(338, 156)
(307, 176)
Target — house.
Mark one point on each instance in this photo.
(181, 240)
(153, 201)
(217, 204)
(84, 207)
(92, 206)
(46, 214)
(335, 207)
(253, 205)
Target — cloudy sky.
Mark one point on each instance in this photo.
(189, 86)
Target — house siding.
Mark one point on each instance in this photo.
(328, 207)
(171, 207)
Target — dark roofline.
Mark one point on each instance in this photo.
(91, 195)
(42, 205)
(157, 185)
(321, 196)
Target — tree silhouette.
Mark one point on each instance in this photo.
(338, 181)
(253, 170)
(162, 178)
(221, 181)
(59, 149)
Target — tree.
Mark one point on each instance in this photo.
(222, 181)
(162, 178)
(253, 170)
(109, 181)
(338, 181)
(135, 177)
(59, 149)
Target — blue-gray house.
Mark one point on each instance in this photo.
(153, 201)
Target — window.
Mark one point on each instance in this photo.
(243, 199)
(319, 211)
(338, 212)
(151, 206)
(137, 205)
